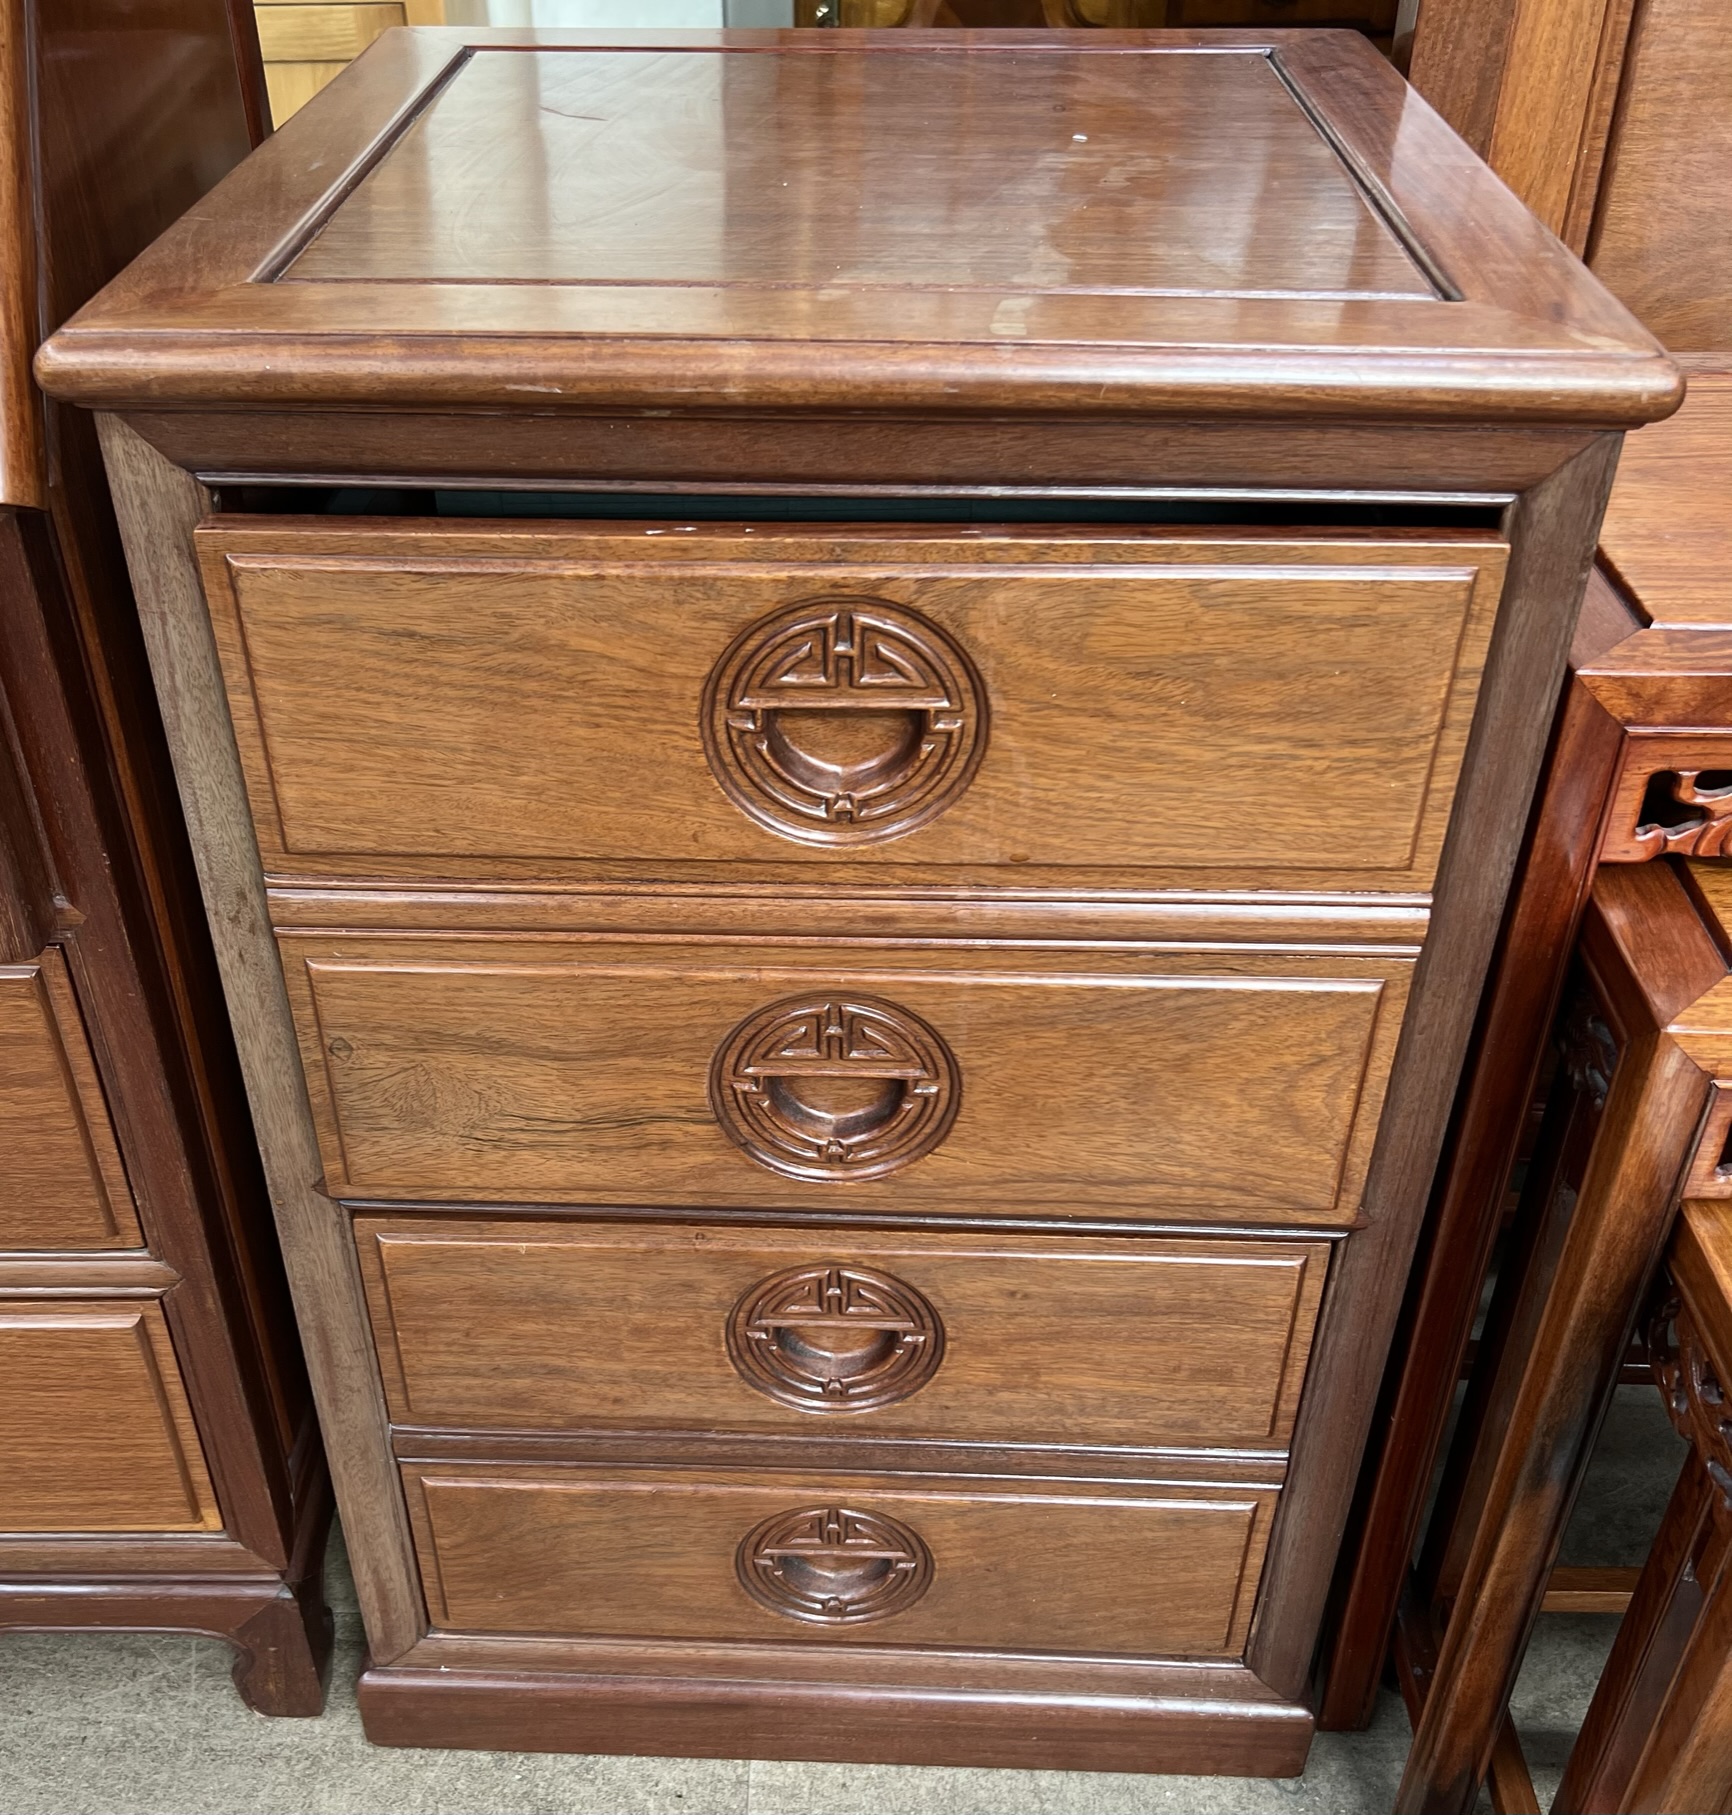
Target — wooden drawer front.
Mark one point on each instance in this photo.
(62, 1185)
(1239, 1085)
(95, 1430)
(1087, 702)
(1148, 1570)
(517, 1325)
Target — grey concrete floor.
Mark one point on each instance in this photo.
(129, 1725)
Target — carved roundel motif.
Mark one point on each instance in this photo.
(827, 1087)
(835, 1338)
(833, 1566)
(843, 721)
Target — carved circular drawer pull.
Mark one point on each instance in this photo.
(827, 1087)
(843, 721)
(835, 1338)
(834, 1566)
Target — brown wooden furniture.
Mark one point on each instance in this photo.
(305, 43)
(1657, 1733)
(161, 1464)
(1638, 1112)
(1609, 119)
(877, 791)
(1374, 16)
(1640, 766)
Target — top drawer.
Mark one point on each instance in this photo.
(435, 703)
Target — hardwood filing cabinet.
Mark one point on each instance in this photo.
(853, 826)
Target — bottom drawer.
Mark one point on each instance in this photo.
(1148, 1570)
(95, 1431)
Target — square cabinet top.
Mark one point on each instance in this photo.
(1227, 222)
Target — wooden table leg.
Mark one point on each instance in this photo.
(1577, 1305)
(1658, 1735)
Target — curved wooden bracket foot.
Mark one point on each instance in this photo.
(285, 1654)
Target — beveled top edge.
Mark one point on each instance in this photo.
(1534, 338)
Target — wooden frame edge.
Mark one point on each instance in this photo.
(158, 505)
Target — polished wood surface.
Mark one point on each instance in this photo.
(62, 1183)
(1607, 118)
(1659, 239)
(581, 1072)
(901, 1049)
(23, 455)
(303, 46)
(1668, 530)
(151, 1359)
(1468, 1199)
(1641, 1046)
(1318, 293)
(1656, 1734)
(608, 133)
(1642, 744)
(1150, 1570)
(159, 506)
(551, 1326)
(1113, 678)
(97, 1432)
(329, 34)
(717, 1701)
(1530, 84)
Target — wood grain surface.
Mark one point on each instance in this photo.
(1600, 1202)
(62, 1182)
(158, 506)
(136, 1175)
(1083, 1340)
(23, 453)
(1530, 86)
(506, 1036)
(1659, 240)
(323, 34)
(1115, 287)
(1668, 531)
(579, 1071)
(94, 1422)
(448, 697)
(1654, 1736)
(1151, 1571)
(589, 165)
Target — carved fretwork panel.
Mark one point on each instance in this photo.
(1691, 1386)
(1673, 799)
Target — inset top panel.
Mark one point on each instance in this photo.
(1027, 172)
(1093, 225)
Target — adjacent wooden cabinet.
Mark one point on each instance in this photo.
(306, 43)
(855, 712)
(160, 1464)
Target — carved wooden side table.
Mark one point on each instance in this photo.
(1640, 766)
(1658, 1734)
(854, 805)
(1640, 1111)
